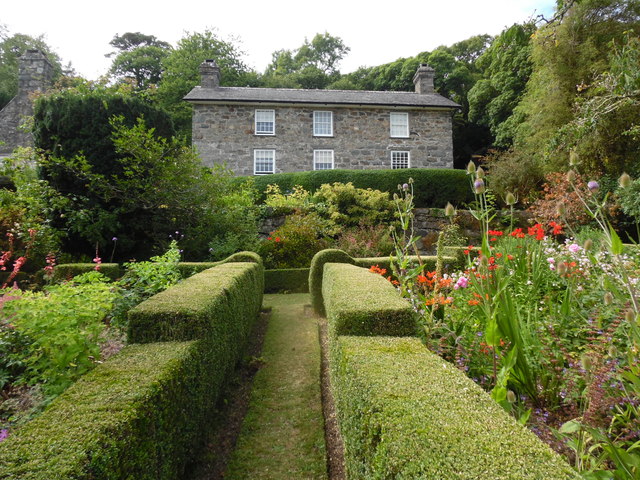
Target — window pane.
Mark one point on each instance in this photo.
(399, 160)
(323, 124)
(323, 159)
(265, 122)
(399, 124)
(264, 161)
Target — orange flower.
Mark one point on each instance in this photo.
(473, 302)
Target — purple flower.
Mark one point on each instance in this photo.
(405, 186)
(593, 186)
(114, 239)
(4, 433)
(574, 248)
(478, 185)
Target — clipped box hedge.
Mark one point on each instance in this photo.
(359, 302)
(433, 187)
(338, 256)
(218, 304)
(66, 271)
(290, 280)
(144, 412)
(138, 415)
(405, 413)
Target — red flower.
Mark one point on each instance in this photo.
(277, 239)
(518, 233)
(556, 228)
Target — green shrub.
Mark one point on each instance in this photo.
(405, 413)
(59, 330)
(138, 415)
(433, 187)
(316, 271)
(294, 244)
(366, 241)
(290, 280)
(360, 302)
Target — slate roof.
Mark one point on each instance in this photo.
(317, 97)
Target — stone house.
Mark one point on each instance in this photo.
(257, 131)
(35, 74)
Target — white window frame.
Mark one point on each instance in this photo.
(259, 151)
(262, 130)
(316, 162)
(317, 123)
(395, 161)
(399, 125)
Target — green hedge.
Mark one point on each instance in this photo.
(338, 256)
(289, 280)
(406, 413)
(199, 306)
(66, 271)
(144, 412)
(359, 302)
(433, 187)
(135, 416)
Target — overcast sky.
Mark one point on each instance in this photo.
(377, 32)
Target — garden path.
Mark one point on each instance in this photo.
(282, 435)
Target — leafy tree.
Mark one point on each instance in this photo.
(313, 65)
(506, 67)
(568, 55)
(139, 58)
(11, 49)
(181, 72)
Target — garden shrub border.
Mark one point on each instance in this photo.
(406, 413)
(142, 413)
(359, 302)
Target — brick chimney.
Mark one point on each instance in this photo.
(423, 79)
(209, 74)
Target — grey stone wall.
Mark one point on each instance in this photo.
(34, 75)
(361, 140)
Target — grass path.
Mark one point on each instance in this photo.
(282, 436)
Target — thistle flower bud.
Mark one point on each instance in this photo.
(484, 261)
(561, 208)
(593, 186)
(449, 210)
(573, 158)
(511, 397)
(586, 362)
(561, 268)
(608, 298)
(624, 181)
(510, 199)
(480, 173)
(630, 316)
(478, 186)
(471, 168)
(571, 176)
(588, 244)
(405, 186)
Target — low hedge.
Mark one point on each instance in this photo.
(339, 256)
(433, 187)
(66, 271)
(359, 302)
(290, 280)
(138, 415)
(405, 413)
(198, 306)
(144, 412)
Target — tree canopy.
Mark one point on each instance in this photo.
(138, 58)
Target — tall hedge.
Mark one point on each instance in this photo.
(433, 187)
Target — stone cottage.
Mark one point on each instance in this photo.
(258, 131)
(35, 74)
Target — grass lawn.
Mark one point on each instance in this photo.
(283, 433)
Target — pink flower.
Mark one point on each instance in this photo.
(574, 248)
(463, 282)
(4, 433)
